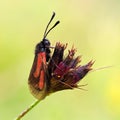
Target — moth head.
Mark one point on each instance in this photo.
(46, 43)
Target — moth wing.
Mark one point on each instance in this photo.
(40, 70)
(42, 76)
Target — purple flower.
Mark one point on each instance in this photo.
(65, 73)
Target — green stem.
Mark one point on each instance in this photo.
(27, 110)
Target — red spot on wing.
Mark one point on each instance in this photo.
(40, 69)
(38, 66)
(42, 79)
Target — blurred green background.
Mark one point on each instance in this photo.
(93, 26)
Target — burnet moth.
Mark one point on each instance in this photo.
(51, 74)
(38, 82)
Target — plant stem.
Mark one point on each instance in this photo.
(27, 110)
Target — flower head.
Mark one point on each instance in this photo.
(65, 73)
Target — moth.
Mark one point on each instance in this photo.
(54, 73)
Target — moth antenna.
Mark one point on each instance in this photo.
(51, 28)
(49, 24)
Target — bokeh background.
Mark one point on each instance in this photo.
(93, 26)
